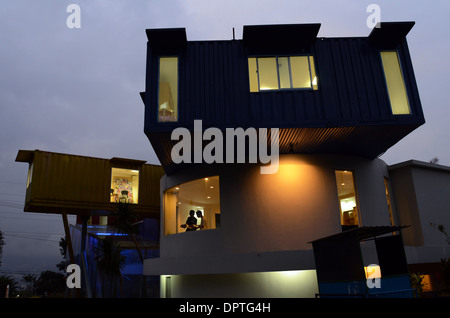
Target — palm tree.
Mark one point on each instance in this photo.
(29, 279)
(110, 263)
(124, 223)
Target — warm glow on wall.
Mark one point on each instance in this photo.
(372, 271)
(289, 172)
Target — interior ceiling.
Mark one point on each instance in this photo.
(197, 192)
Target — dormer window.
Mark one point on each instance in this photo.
(168, 89)
(282, 73)
(395, 83)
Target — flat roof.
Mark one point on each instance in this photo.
(419, 164)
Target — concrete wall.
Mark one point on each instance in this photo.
(286, 284)
(422, 198)
(283, 211)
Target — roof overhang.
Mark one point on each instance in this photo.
(283, 37)
(363, 141)
(363, 233)
(390, 33)
(166, 39)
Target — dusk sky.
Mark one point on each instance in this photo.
(77, 90)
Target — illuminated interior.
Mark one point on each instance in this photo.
(30, 174)
(282, 72)
(198, 195)
(168, 89)
(395, 83)
(348, 202)
(124, 185)
(388, 200)
(372, 271)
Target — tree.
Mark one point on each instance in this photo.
(435, 160)
(110, 263)
(50, 283)
(29, 279)
(63, 249)
(124, 222)
(2, 243)
(6, 281)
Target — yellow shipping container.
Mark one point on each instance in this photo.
(83, 185)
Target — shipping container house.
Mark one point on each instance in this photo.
(88, 186)
(346, 95)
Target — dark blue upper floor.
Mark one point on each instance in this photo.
(350, 111)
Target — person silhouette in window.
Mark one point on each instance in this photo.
(191, 222)
(202, 225)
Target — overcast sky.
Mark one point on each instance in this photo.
(77, 90)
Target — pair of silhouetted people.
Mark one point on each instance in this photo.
(191, 222)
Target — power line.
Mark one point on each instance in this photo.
(31, 238)
(18, 195)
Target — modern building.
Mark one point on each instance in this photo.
(330, 107)
(90, 188)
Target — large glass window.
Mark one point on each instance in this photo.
(395, 83)
(201, 196)
(282, 72)
(348, 202)
(124, 185)
(168, 89)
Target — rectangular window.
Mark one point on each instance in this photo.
(200, 196)
(348, 202)
(388, 199)
(168, 89)
(124, 185)
(395, 83)
(282, 72)
(30, 174)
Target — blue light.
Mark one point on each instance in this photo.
(109, 234)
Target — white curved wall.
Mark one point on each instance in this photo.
(279, 212)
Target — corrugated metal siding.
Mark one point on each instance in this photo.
(149, 180)
(81, 185)
(349, 113)
(213, 86)
(70, 178)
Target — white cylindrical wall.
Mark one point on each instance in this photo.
(282, 211)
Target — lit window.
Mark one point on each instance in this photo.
(348, 202)
(395, 83)
(168, 89)
(282, 72)
(201, 196)
(30, 174)
(124, 185)
(388, 199)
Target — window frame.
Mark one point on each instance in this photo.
(358, 206)
(173, 215)
(288, 56)
(158, 85)
(136, 186)
(402, 73)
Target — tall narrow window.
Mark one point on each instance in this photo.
(395, 83)
(388, 199)
(201, 196)
(124, 185)
(282, 72)
(30, 174)
(348, 202)
(168, 89)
